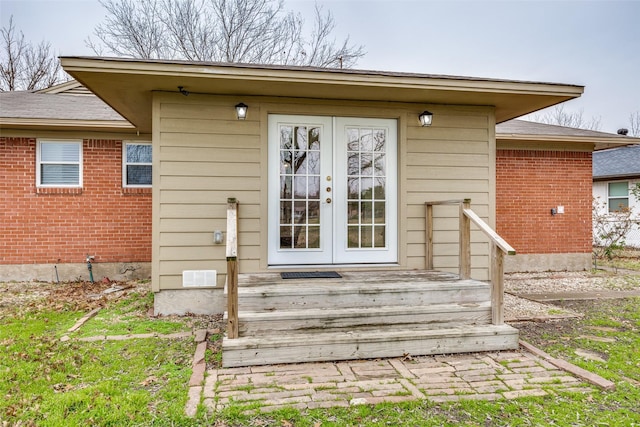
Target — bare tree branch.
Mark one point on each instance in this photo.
(236, 31)
(558, 116)
(24, 66)
(132, 28)
(634, 123)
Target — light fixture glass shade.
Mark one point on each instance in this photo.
(241, 111)
(425, 118)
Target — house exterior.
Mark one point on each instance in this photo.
(544, 195)
(331, 168)
(615, 172)
(538, 167)
(75, 184)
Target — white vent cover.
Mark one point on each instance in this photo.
(198, 278)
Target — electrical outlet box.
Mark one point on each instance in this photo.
(560, 209)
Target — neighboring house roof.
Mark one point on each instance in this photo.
(621, 162)
(71, 87)
(127, 85)
(522, 130)
(65, 106)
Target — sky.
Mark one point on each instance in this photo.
(590, 43)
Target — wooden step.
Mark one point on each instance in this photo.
(365, 344)
(324, 319)
(285, 296)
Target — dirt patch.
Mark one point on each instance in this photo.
(82, 296)
(547, 333)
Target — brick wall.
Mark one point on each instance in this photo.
(528, 184)
(55, 225)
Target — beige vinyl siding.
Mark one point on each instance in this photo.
(454, 159)
(204, 155)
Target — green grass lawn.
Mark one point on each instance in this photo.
(129, 316)
(144, 382)
(46, 382)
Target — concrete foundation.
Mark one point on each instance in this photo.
(74, 272)
(196, 301)
(547, 262)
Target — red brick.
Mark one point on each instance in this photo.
(64, 225)
(528, 184)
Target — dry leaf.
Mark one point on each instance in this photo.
(149, 380)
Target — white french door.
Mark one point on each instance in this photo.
(332, 190)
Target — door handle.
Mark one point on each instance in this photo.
(328, 199)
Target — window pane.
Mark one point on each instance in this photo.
(618, 205)
(60, 174)
(285, 237)
(138, 153)
(138, 175)
(314, 237)
(59, 152)
(285, 212)
(379, 237)
(618, 189)
(353, 236)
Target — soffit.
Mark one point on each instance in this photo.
(127, 86)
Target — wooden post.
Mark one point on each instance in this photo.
(232, 268)
(497, 285)
(465, 240)
(429, 235)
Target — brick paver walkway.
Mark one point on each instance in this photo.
(489, 376)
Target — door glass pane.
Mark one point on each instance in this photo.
(314, 213)
(379, 237)
(313, 238)
(366, 240)
(353, 238)
(366, 213)
(366, 188)
(299, 237)
(300, 187)
(366, 185)
(285, 237)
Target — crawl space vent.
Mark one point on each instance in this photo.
(198, 278)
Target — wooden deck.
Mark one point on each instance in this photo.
(362, 315)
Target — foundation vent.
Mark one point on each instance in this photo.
(199, 278)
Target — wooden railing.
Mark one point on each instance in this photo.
(232, 268)
(499, 247)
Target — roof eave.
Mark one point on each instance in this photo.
(64, 124)
(600, 143)
(617, 177)
(126, 85)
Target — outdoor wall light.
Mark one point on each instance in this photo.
(425, 118)
(241, 111)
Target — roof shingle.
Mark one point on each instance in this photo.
(621, 162)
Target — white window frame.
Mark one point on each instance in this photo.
(125, 163)
(39, 162)
(609, 196)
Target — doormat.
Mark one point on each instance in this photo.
(310, 275)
